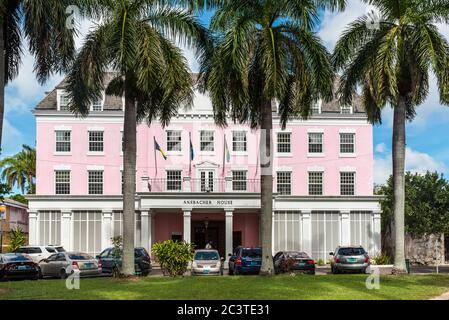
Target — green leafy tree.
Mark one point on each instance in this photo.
(391, 61)
(266, 52)
(4, 189)
(135, 39)
(17, 238)
(20, 170)
(19, 198)
(426, 204)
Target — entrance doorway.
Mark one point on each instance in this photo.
(205, 231)
(207, 182)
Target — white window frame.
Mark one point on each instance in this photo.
(174, 141)
(206, 141)
(97, 183)
(309, 184)
(245, 142)
(278, 144)
(343, 108)
(103, 98)
(59, 95)
(69, 142)
(317, 106)
(315, 154)
(65, 183)
(348, 154)
(277, 182)
(354, 183)
(241, 181)
(94, 152)
(173, 180)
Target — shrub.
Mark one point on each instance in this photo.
(287, 265)
(117, 243)
(17, 239)
(173, 256)
(382, 259)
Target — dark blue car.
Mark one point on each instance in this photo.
(245, 260)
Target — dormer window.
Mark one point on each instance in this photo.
(346, 110)
(63, 101)
(316, 108)
(97, 105)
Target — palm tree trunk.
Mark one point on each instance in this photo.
(2, 80)
(266, 185)
(399, 184)
(129, 180)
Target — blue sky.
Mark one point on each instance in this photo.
(427, 135)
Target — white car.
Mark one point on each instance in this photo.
(38, 253)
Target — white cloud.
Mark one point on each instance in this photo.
(12, 139)
(415, 161)
(381, 148)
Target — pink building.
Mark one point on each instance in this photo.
(323, 180)
(13, 216)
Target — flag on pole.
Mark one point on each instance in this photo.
(158, 148)
(192, 154)
(226, 154)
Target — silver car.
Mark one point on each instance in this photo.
(207, 262)
(62, 264)
(349, 258)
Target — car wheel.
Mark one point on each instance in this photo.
(145, 273)
(335, 270)
(63, 274)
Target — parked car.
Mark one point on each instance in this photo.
(111, 261)
(349, 258)
(61, 265)
(245, 260)
(38, 253)
(207, 262)
(297, 261)
(17, 266)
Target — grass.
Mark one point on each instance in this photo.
(299, 287)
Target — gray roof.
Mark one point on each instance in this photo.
(114, 103)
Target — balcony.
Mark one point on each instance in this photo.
(204, 185)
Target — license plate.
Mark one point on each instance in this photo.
(254, 263)
(301, 264)
(352, 260)
(206, 269)
(89, 266)
(22, 268)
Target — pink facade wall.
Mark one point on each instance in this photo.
(299, 162)
(167, 225)
(248, 224)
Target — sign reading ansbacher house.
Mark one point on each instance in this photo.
(200, 203)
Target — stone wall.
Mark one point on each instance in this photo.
(426, 250)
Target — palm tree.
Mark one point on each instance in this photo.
(266, 51)
(391, 59)
(135, 40)
(20, 169)
(41, 24)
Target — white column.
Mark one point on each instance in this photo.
(345, 228)
(229, 213)
(377, 232)
(66, 230)
(146, 240)
(306, 219)
(187, 224)
(33, 231)
(106, 229)
(145, 184)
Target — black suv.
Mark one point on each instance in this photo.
(111, 261)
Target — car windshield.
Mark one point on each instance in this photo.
(351, 251)
(252, 253)
(206, 255)
(297, 255)
(15, 258)
(60, 249)
(29, 250)
(80, 256)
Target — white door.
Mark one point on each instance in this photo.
(207, 178)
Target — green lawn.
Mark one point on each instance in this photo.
(239, 287)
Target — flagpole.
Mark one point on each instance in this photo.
(155, 158)
(190, 153)
(224, 154)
